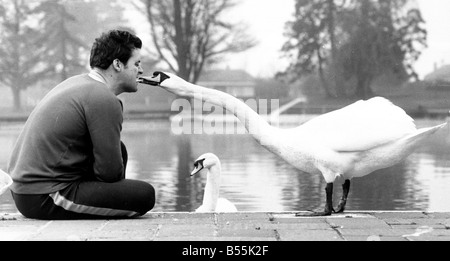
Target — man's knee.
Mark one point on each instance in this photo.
(148, 198)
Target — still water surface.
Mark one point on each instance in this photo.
(256, 180)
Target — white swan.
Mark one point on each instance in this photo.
(5, 181)
(211, 201)
(351, 142)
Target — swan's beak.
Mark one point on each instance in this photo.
(198, 166)
(195, 171)
(155, 80)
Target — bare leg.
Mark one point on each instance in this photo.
(343, 201)
(328, 206)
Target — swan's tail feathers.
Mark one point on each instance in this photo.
(424, 133)
(434, 129)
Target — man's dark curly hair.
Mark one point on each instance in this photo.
(114, 44)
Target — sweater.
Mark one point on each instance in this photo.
(71, 135)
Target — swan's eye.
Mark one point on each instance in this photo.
(199, 163)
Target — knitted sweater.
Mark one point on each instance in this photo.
(73, 134)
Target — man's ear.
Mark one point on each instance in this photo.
(117, 65)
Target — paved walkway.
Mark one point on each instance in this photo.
(352, 226)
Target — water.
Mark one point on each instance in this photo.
(256, 180)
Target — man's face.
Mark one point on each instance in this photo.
(132, 70)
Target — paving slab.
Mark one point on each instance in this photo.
(241, 226)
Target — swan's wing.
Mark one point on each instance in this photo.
(201, 209)
(360, 126)
(224, 205)
(5, 181)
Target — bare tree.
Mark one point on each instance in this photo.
(21, 56)
(40, 38)
(189, 34)
(69, 27)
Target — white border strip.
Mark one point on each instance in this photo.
(68, 205)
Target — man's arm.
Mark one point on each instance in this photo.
(104, 120)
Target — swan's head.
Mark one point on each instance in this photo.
(155, 80)
(205, 161)
(168, 81)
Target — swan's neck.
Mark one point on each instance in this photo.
(211, 193)
(256, 125)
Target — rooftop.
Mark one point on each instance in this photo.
(228, 76)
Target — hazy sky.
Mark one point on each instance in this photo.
(266, 20)
(437, 17)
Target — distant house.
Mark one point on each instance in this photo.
(155, 100)
(148, 99)
(440, 78)
(238, 83)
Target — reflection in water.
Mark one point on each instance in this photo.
(257, 180)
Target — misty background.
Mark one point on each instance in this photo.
(324, 53)
(330, 51)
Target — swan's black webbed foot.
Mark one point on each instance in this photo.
(341, 206)
(343, 201)
(328, 207)
(315, 214)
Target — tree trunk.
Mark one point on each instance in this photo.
(322, 77)
(17, 99)
(334, 68)
(364, 71)
(363, 88)
(64, 61)
(180, 41)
